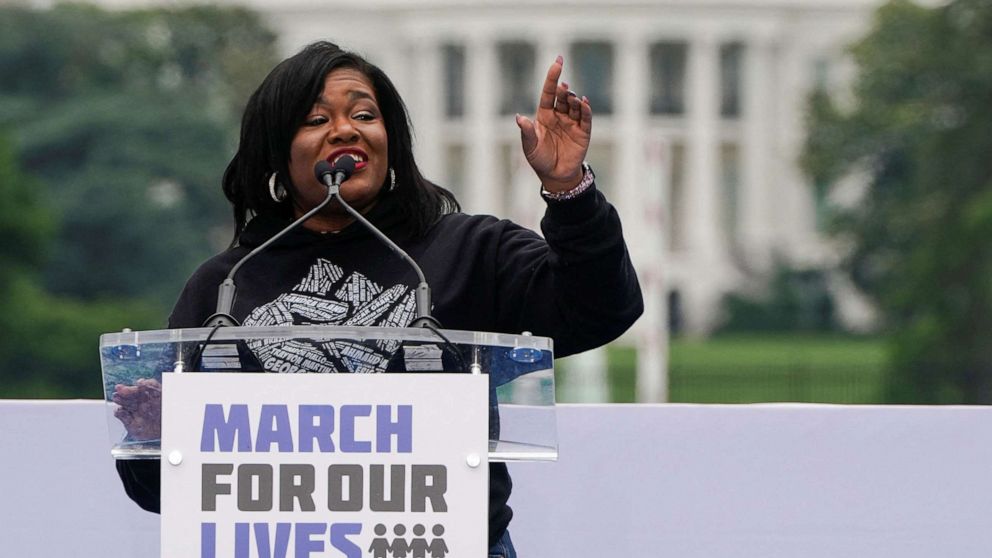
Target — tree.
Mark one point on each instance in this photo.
(47, 343)
(128, 120)
(920, 131)
(25, 225)
(120, 125)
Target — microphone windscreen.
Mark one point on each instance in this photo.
(323, 169)
(345, 164)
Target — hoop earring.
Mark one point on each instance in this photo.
(392, 180)
(276, 190)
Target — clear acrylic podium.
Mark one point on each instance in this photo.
(522, 424)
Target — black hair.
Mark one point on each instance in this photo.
(278, 108)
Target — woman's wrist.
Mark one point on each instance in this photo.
(586, 180)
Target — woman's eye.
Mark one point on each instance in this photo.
(365, 115)
(316, 120)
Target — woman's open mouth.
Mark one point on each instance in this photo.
(357, 154)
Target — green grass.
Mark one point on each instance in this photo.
(762, 368)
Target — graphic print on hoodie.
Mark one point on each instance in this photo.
(326, 297)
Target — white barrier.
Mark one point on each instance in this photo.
(632, 481)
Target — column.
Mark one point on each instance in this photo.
(639, 203)
(586, 381)
(796, 230)
(703, 237)
(481, 108)
(427, 93)
(630, 92)
(757, 174)
(652, 331)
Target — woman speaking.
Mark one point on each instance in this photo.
(575, 285)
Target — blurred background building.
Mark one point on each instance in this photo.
(698, 116)
(698, 127)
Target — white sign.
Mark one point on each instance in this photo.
(324, 465)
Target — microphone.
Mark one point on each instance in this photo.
(333, 176)
(225, 293)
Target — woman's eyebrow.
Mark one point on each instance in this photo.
(353, 95)
(356, 94)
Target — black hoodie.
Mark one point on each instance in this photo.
(577, 287)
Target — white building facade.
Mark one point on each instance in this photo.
(697, 129)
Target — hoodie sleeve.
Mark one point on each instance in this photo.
(141, 480)
(577, 285)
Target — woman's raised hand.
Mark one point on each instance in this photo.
(555, 142)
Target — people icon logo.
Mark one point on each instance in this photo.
(401, 547)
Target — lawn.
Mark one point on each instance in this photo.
(765, 368)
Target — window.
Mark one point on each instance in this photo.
(668, 61)
(593, 75)
(518, 91)
(454, 80)
(731, 61)
(676, 318)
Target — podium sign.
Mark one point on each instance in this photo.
(324, 465)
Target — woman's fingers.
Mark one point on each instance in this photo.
(528, 136)
(550, 88)
(574, 106)
(558, 135)
(585, 122)
(561, 98)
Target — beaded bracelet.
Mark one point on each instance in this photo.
(588, 177)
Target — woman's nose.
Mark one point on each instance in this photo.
(342, 131)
